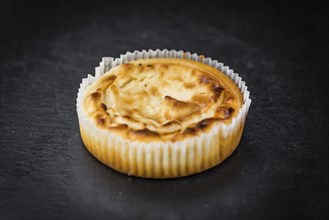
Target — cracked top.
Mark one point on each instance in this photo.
(161, 99)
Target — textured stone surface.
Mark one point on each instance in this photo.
(280, 169)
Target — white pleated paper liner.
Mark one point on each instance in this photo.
(162, 159)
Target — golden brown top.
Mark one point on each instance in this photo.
(162, 99)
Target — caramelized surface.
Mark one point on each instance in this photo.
(162, 99)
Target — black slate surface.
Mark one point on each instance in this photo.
(279, 170)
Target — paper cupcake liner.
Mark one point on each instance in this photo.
(162, 159)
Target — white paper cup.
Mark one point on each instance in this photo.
(162, 159)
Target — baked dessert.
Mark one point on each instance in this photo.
(161, 117)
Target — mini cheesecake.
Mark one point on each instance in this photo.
(161, 117)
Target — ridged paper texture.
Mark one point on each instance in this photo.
(162, 159)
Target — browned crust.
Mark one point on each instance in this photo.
(216, 80)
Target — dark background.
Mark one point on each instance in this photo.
(280, 169)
